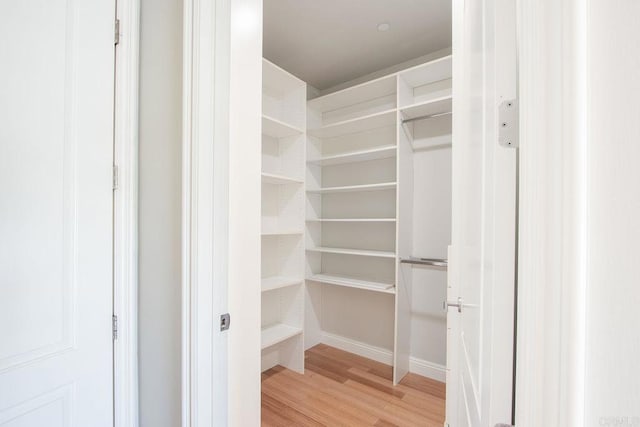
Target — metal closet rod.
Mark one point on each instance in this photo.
(435, 262)
(428, 116)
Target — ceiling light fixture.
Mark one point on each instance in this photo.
(383, 26)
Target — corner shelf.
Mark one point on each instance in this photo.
(271, 178)
(277, 128)
(349, 282)
(351, 220)
(355, 188)
(281, 232)
(376, 153)
(278, 333)
(278, 282)
(358, 252)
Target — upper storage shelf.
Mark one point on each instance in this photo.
(425, 83)
(283, 100)
(432, 107)
(355, 125)
(351, 104)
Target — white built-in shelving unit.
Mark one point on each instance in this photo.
(337, 208)
(359, 187)
(283, 225)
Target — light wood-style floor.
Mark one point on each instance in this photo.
(342, 389)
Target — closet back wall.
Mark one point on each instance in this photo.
(432, 235)
(159, 217)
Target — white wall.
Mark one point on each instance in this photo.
(613, 266)
(160, 206)
(431, 237)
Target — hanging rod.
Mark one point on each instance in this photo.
(428, 116)
(434, 262)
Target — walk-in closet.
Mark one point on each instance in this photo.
(356, 215)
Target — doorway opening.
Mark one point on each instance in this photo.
(357, 113)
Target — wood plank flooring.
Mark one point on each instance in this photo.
(343, 389)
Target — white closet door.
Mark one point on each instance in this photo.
(56, 156)
(482, 254)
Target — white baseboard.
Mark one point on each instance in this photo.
(435, 371)
(417, 366)
(378, 354)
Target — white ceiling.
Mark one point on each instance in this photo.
(327, 42)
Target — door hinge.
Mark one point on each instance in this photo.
(225, 321)
(114, 327)
(508, 125)
(115, 177)
(116, 32)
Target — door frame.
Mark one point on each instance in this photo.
(552, 282)
(222, 55)
(125, 216)
(552, 222)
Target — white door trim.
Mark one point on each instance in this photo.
(205, 193)
(125, 234)
(220, 198)
(553, 214)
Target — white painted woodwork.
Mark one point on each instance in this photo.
(355, 125)
(427, 108)
(611, 389)
(270, 283)
(359, 252)
(578, 271)
(404, 244)
(283, 218)
(357, 156)
(355, 188)
(271, 178)
(56, 157)
(482, 261)
(278, 333)
(126, 221)
(360, 187)
(353, 283)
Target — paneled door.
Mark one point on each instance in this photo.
(480, 318)
(56, 157)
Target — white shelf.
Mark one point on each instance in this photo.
(433, 106)
(351, 220)
(355, 188)
(378, 88)
(278, 282)
(278, 333)
(359, 252)
(353, 283)
(433, 71)
(278, 80)
(271, 178)
(357, 125)
(281, 232)
(277, 128)
(376, 153)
